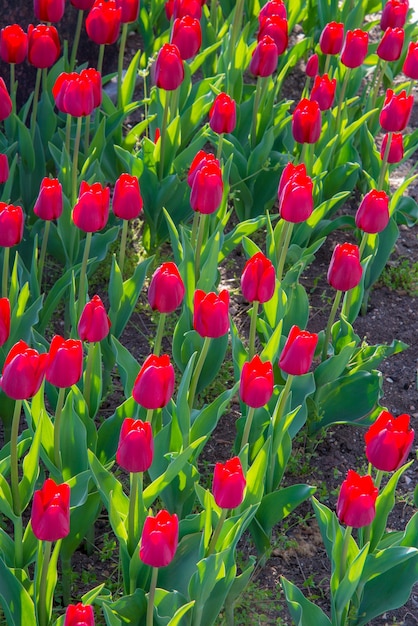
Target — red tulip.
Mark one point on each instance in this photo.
(394, 14)
(43, 45)
(79, 615)
(312, 66)
(130, 10)
(256, 383)
(207, 189)
(410, 67)
(306, 122)
(202, 158)
(288, 172)
(396, 148)
(169, 70)
(344, 270)
(355, 48)
(390, 46)
(127, 200)
(136, 445)
(273, 7)
(211, 313)
(223, 114)
(275, 27)
(94, 323)
(50, 515)
(187, 36)
(373, 213)
(95, 78)
(182, 8)
(332, 38)
(103, 22)
(11, 225)
(23, 372)
(396, 111)
(323, 91)
(74, 93)
(5, 315)
(298, 352)
(159, 539)
(166, 290)
(265, 57)
(4, 168)
(357, 500)
(49, 10)
(228, 484)
(92, 209)
(389, 441)
(296, 198)
(82, 5)
(13, 44)
(65, 362)
(154, 385)
(258, 279)
(6, 105)
(49, 203)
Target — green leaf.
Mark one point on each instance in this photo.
(109, 431)
(15, 600)
(128, 366)
(129, 80)
(303, 611)
(30, 468)
(275, 506)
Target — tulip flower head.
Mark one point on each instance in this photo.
(43, 45)
(11, 225)
(306, 122)
(228, 484)
(288, 172)
(410, 66)
(355, 48)
(49, 10)
(394, 14)
(373, 213)
(103, 22)
(127, 200)
(273, 7)
(275, 27)
(130, 10)
(82, 5)
(296, 198)
(23, 372)
(258, 279)
(265, 57)
(211, 313)
(181, 8)
(345, 270)
(94, 323)
(187, 36)
(323, 91)
(49, 203)
(207, 188)
(223, 114)
(136, 445)
(91, 212)
(78, 94)
(332, 38)
(169, 69)
(5, 315)
(159, 539)
(396, 151)
(356, 504)
(13, 44)
(256, 382)
(50, 515)
(312, 66)
(79, 615)
(166, 290)
(389, 441)
(202, 158)
(396, 111)
(65, 362)
(4, 168)
(154, 385)
(390, 46)
(298, 352)
(6, 105)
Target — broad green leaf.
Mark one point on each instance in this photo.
(303, 611)
(15, 600)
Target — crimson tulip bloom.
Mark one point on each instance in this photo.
(256, 382)
(344, 270)
(306, 122)
(159, 539)
(288, 172)
(74, 93)
(390, 46)
(49, 203)
(223, 114)
(94, 323)
(82, 5)
(49, 10)
(228, 484)
(136, 445)
(355, 48)
(92, 209)
(357, 500)
(298, 352)
(95, 78)
(50, 515)
(130, 10)
(273, 7)
(389, 441)
(265, 57)
(396, 111)
(207, 189)
(373, 213)
(394, 14)
(103, 22)
(79, 615)
(312, 66)
(23, 372)
(410, 66)
(202, 158)
(166, 290)
(11, 225)
(169, 69)
(296, 199)
(211, 313)
(332, 38)
(5, 315)
(323, 91)
(187, 36)
(13, 44)
(43, 45)
(275, 27)
(182, 8)
(154, 385)
(65, 362)
(4, 168)
(396, 148)
(6, 105)
(127, 200)
(258, 279)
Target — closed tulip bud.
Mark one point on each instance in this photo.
(166, 290)
(49, 10)
(43, 45)
(92, 209)
(4, 168)
(323, 91)
(273, 7)
(256, 383)
(127, 200)
(187, 36)
(207, 189)
(258, 279)
(355, 48)
(159, 539)
(49, 203)
(288, 172)
(389, 441)
(228, 484)
(296, 200)
(211, 313)
(79, 97)
(11, 225)
(5, 315)
(79, 615)
(275, 27)
(169, 69)
(223, 114)
(154, 385)
(410, 66)
(356, 504)
(95, 79)
(50, 515)
(13, 44)
(298, 352)
(390, 46)
(59, 89)
(23, 372)
(103, 22)
(265, 57)
(65, 362)
(6, 105)
(82, 5)
(312, 66)
(202, 158)
(394, 14)
(395, 153)
(182, 8)
(130, 10)
(94, 323)
(136, 445)
(306, 122)
(373, 213)
(344, 270)
(396, 111)
(332, 38)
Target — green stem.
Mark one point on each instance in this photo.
(120, 61)
(278, 412)
(100, 58)
(135, 505)
(76, 41)
(87, 133)
(163, 134)
(379, 72)
(122, 249)
(83, 274)
(5, 273)
(42, 609)
(198, 371)
(160, 333)
(347, 303)
(57, 427)
(378, 479)
(384, 162)
(341, 99)
(151, 597)
(18, 537)
(285, 238)
(199, 243)
(253, 329)
(217, 532)
(247, 428)
(13, 87)
(363, 244)
(75, 161)
(88, 376)
(257, 98)
(150, 413)
(35, 102)
(219, 150)
(344, 551)
(195, 225)
(331, 318)
(14, 467)
(68, 133)
(327, 63)
(43, 253)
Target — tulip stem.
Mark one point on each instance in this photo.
(378, 479)
(5, 273)
(327, 63)
(87, 134)
(278, 412)
(100, 57)
(122, 249)
(383, 169)
(163, 134)
(18, 537)
(253, 329)
(247, 427)
(13, 86)
(198, 371)
(57, 428)
(14, 470)
(35, 102)
(151, 597)
(68, 133)
(83, 274)
(76, 41)
(379, 72)
(75, 161)
(120, 61)
(45, 557)
(198, 251)
(89, 373)
(331, 318)
(347, 303)
(195, 225)
(277, 433)
(282, 248)
(217, 532)
(219, 150)
(344, 551)
(160, 333)
(363, 244)
(150, 413)
(43, 252)
(134, 514)
(341, 99)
